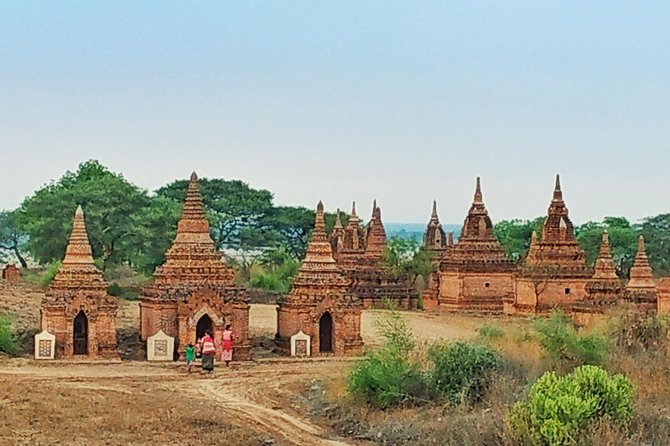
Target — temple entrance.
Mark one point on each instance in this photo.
(326, 333)
(80, 334)
(204, 324)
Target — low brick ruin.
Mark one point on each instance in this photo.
(11, 273)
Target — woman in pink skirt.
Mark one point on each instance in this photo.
(227, 339)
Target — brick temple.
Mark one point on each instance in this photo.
(641, 288)
(320, 303)
(11, 273)
(76, 308)
(474, 275)
(194, 290)
(360, 254)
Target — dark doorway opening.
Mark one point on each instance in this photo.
(80, 334)
(326, 333)
(204, 325)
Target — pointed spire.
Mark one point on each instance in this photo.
(319, 224)
(338, 222)
(353, 209)
(79, 211)
(533, 238)
(450, 238)
(194, 176)
(478, 193)
(641, 274)
(558, 193)
(78, 249)
(433, 215)
(374, 206)
(604, 268)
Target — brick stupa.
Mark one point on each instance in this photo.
(604, 289)
(320, 303)
(641, 288)
(11, 273)
(194, 290)
(76, 307)
(475, 274)
(352, 245)
(554, 272)
(435, 243)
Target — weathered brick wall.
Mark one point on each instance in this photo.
(487, 286)
(663, 293)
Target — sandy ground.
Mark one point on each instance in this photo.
(140, 403)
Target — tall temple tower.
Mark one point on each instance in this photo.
(76, 307)
(475, 274)
(554, 272)
(641, 288)
(194, 291)
(320, 304)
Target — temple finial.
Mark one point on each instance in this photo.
(533, 238)
(194, 176)
(353, 209)
(320, 223)
(79, 211)
(434, 213)
(374, 205)
(558, 193)
(640, 245)
(478, 192)
(338, 222)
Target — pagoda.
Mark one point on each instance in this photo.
(604, 289)
(194, 291)
(641, 288)
(370, 280)
(337, 236)
(435, 243)
(475, 274)
(352, 245)
(76, 307)
(554, 272)
(320, 304)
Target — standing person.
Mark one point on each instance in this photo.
(208, 351)
(190, 356)
(227, 339)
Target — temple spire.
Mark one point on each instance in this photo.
(558, 193)
(338, 222)
(78, 250)
(478, 193)
(353, 209)
(319, 224)
(641, 274)
(194, 176)
(433, 215)
(604, 268)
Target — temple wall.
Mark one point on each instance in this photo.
(158, 316)
(663, 294)
(540, 296)
(487, 285)
(450, 285)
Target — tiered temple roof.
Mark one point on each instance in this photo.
(353, 242)
(477, 248)
(375, 236)
(558, 252)
(435, 239)
(78, 272)
(337, 235)
(641, 287)
(319, 275)
(193, 260)
(605, 287)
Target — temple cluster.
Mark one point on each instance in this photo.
(474, 275)
(343, 272)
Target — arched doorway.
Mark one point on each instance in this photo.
(204, 324)
(326, 333)
(80, 334)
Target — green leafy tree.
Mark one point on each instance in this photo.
(656, 232)
(12, 238)
(514, 235)
(110, 203)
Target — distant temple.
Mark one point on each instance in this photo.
(320, 304)
(194, 291)
(76, 307)
(11, 273)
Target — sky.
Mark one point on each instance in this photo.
(404, 102)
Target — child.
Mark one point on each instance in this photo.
(190, 356)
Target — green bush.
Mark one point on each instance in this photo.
(114, 289)
(488, 331)
(557, 410)
(462, 371)
(387, 376)
(636, 331)
(562, 342)
(7, 342)
(269, 281)
(49, 273)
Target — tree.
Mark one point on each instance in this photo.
(405, 257)
(232, 207)
(12, 238)
(109, 202)
(514, 235)
(656, 232)
(289, 227)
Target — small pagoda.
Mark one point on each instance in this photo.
(320, 304)
(435, 243)
(475, 274)
(641, 288)
(554, 272)
(194, 291)
(349, 242)
(76, 308)
(604, 289)
(370, 280)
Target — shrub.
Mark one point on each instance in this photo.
(563, 343)
(635, 331)
(488, 331)
(49, 273)
(387, 376)
(557, 410)
(7, 342)
(462, 371)
(114, 289)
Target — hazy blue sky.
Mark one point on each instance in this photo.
(403, 101)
